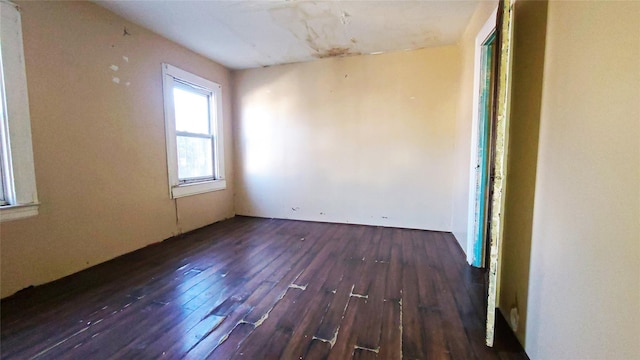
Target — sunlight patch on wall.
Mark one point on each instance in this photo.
(258, 140)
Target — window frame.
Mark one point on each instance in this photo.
(177, 188)
(16, 149)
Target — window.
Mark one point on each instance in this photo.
(193, 122)
(18, 196)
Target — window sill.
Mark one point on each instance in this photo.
(15, 212)
(197, 188)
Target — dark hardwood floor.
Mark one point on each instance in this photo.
(252, 288)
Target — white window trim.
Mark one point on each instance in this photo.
(15, 212)
(176, 190)
(19, 170)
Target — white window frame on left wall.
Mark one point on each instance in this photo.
(171, 76)
(18, 179)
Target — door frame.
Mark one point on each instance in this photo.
(476, 247)
(501, 103)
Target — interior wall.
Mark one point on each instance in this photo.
(463, 127)
(526, 93)
(362, 139)
(99, 145)
(584, 286)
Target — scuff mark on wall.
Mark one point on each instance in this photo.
(121, 62)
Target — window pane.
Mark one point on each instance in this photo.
(194, 157)
(192, 111)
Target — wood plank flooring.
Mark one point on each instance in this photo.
(249, 288)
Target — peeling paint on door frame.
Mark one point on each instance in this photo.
(504, 33)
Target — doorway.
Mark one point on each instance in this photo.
(489, 150)
(482, 150)
(500, 149)
(485, 151)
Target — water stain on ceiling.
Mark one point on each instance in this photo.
(247, 34)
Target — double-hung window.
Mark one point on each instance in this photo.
(18, 196)
(193, 123)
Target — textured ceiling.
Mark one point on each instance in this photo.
(247, 34)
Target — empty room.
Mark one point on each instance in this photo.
(320, 179)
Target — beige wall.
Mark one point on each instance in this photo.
(584, 291)
(99, 147)
(463, 130)
(364, 139)
(527, 69)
